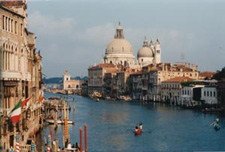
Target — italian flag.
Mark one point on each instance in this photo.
(16, 112)
(25, 102)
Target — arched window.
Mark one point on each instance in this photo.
(77, 86)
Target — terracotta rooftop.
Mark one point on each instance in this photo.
(9, 3)
(206, 74)
(179, 79)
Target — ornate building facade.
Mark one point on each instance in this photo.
(21, 73)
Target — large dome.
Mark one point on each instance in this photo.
(119, 50)
(145, 51)
(119, 46)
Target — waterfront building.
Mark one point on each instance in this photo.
(110, 84)
(136, 89)
(21, 74)
(170, 89)
(199, 92)
(209, 95)
(70, 84)
(122, 81)
(96, 76)
(165, 71)
(84, 88)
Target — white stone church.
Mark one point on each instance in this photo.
(119, 51)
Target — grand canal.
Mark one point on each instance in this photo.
(165, 128)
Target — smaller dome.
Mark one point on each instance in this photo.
(145, 51)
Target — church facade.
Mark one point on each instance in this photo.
(120, 52)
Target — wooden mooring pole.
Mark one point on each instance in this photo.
(85, 137)
(81, 140)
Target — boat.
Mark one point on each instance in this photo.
(217, 127)
(124, 98)
(52, 121)
(138, 131)
(95, 95)
(97, 99)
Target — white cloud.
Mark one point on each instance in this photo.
(96, 35)
(48, 25)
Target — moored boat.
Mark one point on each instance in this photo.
(52, 121)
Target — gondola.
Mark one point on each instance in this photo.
(138, 131)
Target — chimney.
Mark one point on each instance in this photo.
(193, 67)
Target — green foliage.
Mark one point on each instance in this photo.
(220, 75)
(187, 83)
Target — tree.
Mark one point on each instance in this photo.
(220, 74)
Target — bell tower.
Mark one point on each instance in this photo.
(157, 52)
(66, 76)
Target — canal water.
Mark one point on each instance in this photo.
(165, 128)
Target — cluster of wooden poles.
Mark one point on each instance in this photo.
(52, 146)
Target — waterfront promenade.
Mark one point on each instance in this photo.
(165, 128)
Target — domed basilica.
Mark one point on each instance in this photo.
(119, 51)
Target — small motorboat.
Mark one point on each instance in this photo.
(138, 131)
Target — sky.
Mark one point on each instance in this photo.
(73, 34)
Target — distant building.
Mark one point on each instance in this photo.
(70, 84)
